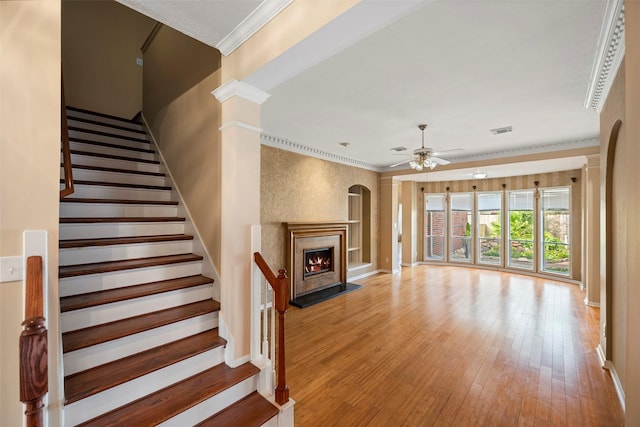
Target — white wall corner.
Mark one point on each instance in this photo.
(610, 52)
(264, 13)
(233, 88)
(229, 350)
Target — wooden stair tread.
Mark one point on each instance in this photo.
(111, 156)
(119, 201)
(252, 410)
(170, 401)
(95, 113)
(90, 220)
(109, 134)
(86, 337)
(108, 296)
(116, 170)
(125, 264)
(119, 184)
(111, 145)
(109, 125)
(91, 381)
(109, 241)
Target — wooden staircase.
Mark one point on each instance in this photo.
(138, 318)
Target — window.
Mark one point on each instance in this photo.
(434, 227)
(521, 226)
(490, 228)
(461, 226)
(556, 220)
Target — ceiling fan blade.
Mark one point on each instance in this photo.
(401, 163)
(440, 161)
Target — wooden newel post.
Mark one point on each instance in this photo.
(33, 347)
(282, 303)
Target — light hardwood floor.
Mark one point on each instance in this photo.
(449, 346)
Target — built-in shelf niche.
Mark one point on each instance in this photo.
(359, 227)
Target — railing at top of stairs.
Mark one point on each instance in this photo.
(33, 347)
(264, 302)
(66, 151)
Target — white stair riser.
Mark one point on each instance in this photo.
(130, 178)
(86, 358)
(71, 114)
(92, 316)
(107, 192)
(87, 160)
(99, 282)
(115, 397)
(122, 229)
(122, 252)
(106, 129)
(91, 148)
(110, 210)
(213, 405)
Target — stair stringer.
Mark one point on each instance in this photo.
(208, 269)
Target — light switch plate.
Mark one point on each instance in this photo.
(11, 268)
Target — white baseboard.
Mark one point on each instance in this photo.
(362, 276)
(608, 365)
(591, 303)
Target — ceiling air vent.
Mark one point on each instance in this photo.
(401, 148)
(498, 131)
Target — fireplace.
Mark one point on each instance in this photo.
(316, 256)
(317, 261)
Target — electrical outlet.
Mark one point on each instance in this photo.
(139, 61)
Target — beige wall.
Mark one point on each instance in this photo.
(295, 187)
(614, 246)
(100, 43)
(546, 180)
(29, 169)
(179, 75)
(632, 124)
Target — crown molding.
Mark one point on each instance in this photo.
(531, 149)
(242, 125)
(609, 55)
(264, 13)
(233, 88)
(288, 145)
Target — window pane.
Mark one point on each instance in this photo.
(521, 222)
(435, 226)
(489, 228)
(461, 226)
(556, 225)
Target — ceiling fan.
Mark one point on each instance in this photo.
(423, 157)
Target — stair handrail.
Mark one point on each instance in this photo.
(33, 346)
(64, 140)
(281, 292)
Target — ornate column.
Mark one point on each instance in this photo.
(388, 258)
(591, 279)
(240, 183)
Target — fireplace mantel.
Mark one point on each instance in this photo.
(313, 235)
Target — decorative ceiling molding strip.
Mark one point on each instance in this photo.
(531, 149)
(285, 144)
(242, 125)
(233, 88)
(264, 13)
(609, 56)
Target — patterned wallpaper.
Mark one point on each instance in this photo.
(296, 188)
